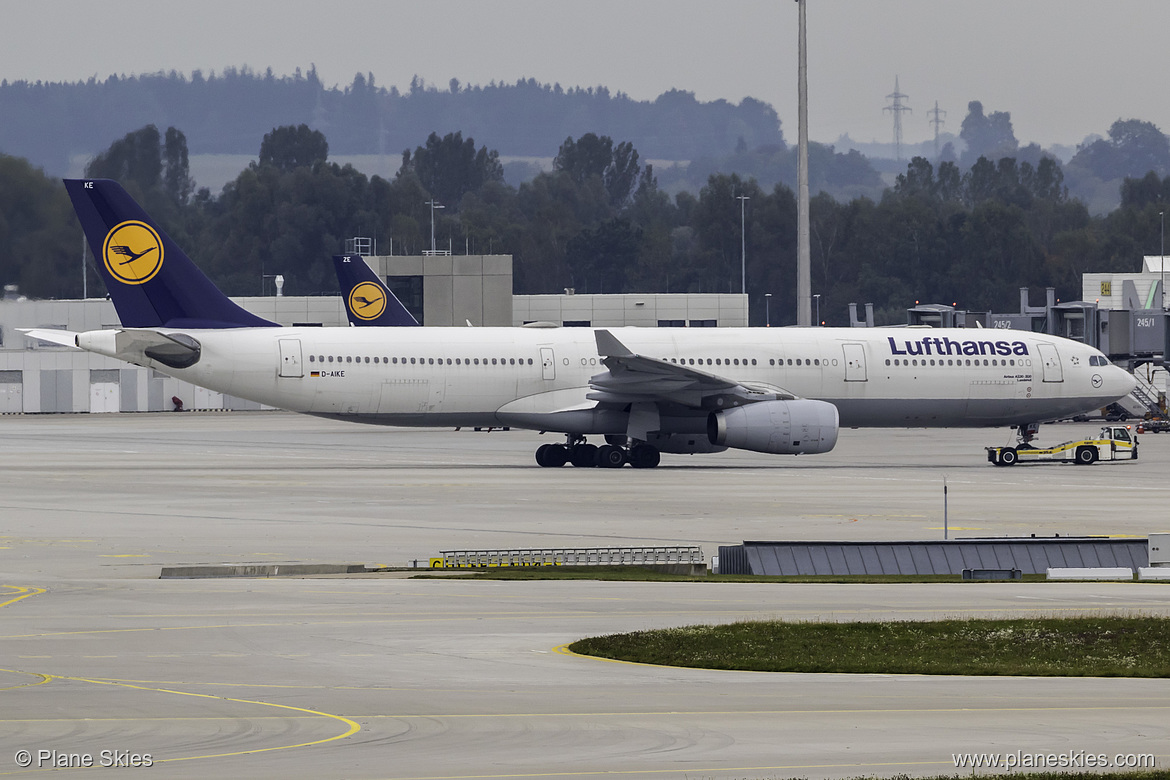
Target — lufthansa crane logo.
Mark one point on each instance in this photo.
(367, 301)
(133, 252)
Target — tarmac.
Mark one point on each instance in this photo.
(380, 676)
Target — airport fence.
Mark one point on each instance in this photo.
(570, 556)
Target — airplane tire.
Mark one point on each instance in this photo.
(583, 455)
(610, 457)
(1008, 457)
(644, 456)
(557, 456)
(551, 455)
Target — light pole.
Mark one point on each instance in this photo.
(767, 310)
(742, 243)
(434, 204)
(817, 300)
(803, 237)
(1162, 214)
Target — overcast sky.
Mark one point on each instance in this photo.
(1063, 68)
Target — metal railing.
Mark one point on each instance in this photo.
(1148, 396)
(575, 556)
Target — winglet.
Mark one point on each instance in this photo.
(609, 346)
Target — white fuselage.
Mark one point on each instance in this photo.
(539, 378)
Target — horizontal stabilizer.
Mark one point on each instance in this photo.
(63, 338)
(138, 345)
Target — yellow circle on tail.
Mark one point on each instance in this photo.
(367, 301)
(133, 252)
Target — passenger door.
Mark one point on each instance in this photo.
(854, 362)
(290, 358)
(1050, 363)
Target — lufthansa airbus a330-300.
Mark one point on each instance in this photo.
(643, 391)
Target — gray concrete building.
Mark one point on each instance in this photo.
(443, 290)
(647, 310)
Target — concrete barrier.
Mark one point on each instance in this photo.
(1099, 573)
(260, 570)
(1154, 573)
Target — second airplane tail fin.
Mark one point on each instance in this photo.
(367, 300)
(151, 280)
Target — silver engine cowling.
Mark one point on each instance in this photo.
(778, 427)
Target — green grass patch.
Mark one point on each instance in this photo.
(1153, 774)
(1108, 646)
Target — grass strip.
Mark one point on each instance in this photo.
(1152, 774)
(1107, 646)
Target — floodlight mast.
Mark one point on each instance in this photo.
(743, 199)
(803, 237)
(434, 204)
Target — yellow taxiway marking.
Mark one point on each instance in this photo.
(127, 555)
(352, 726)
(43, 679)
(20, 592)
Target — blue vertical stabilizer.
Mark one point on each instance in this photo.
(367, 299)
(151, 280)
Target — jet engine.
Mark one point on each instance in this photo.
(779, 427)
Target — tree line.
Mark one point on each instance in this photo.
(598, 222)
(224, 113)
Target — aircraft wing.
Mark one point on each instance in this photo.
(633, 379)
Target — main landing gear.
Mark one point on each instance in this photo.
(580, 453)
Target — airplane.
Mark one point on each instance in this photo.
(644, 391)
(368, 301)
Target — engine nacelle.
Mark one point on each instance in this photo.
(778, 427)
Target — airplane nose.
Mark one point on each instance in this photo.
(1123, 381)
